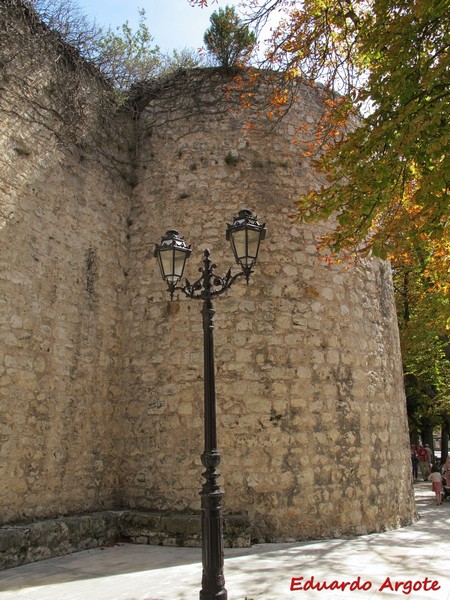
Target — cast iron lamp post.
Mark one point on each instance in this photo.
(245, 235)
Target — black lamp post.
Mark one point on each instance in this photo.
(245, 235)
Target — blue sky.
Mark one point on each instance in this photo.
(174, 24)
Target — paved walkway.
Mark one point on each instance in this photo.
(413, 555)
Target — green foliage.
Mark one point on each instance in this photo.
(125, 56)
(425, 348)
(185, 58)
(389, 174)
(231, 159)
(228, 41)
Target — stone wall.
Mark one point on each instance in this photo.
(62, 261)
(101, 377)
(22, 543)
(312, 423)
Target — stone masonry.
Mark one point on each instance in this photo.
(101, 376)
(312, 423)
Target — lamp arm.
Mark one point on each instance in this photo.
(190, 290)
(218, 286)
(208, 285)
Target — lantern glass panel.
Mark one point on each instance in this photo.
(246, 245)
(172, 263)
(253, 238)
(179, 260)
(239, 242)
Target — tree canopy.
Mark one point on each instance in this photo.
(425, 349)
(228, 40)
(383, 68)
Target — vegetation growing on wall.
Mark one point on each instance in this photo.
(123, 55)
(83, 90)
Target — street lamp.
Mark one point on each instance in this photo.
(245, 235)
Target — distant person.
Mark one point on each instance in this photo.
(414, 463)
(424, 463)
(436, 483)
(447, 471)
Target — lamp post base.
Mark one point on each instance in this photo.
(213, 580)
(222, 595)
